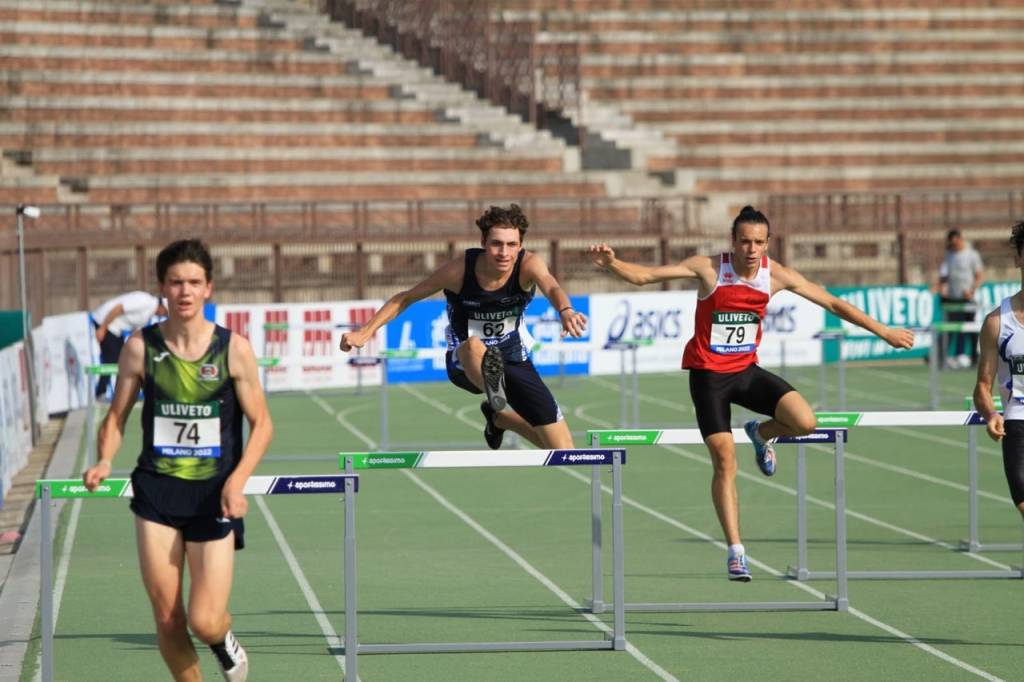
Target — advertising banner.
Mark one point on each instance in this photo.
(665, 319)
(913, 306)
(422, 325)
(15, 415)
(68, 347)
(304, 337)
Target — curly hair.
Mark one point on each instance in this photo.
(497, 216)
(1017, 237)
(749, 214)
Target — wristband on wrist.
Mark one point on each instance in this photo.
(568, 307)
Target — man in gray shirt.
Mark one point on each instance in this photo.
(959, 277)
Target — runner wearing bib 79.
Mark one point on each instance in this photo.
(732, 297)
(487, 290)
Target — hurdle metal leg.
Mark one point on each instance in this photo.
(618, 558)
(46, 584)
(973, 542)
(933, 371)
(617, 640)
(384, 407)
(840, 602)
(636, 389)
(597, 573)
(351, 603)
(802, 572)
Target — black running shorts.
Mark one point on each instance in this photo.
(525, 390)
(193, 507)
(713, 394)
(1013, 458)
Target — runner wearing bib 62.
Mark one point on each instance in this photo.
(488, 347)
(733, 291)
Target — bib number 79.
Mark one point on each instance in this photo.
(735, 334)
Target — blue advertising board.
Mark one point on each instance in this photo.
(423, 323)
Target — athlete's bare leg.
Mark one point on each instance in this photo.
(510, 420)
(161, 552)
(551, 436)
(723, 484)
(793, 417)
(555, 436)
(471, 355)
(211, 569)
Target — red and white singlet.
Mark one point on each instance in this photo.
(727, 326)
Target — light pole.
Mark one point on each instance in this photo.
(32, 212)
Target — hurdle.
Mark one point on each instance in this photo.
(92, 372)
(868, 419)
(973, 541)
(390, 354)
(838, 437)
(596, 457)
(934, 360)
(48, 490)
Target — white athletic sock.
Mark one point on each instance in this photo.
(736, 550)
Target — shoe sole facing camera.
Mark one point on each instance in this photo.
(493, 370)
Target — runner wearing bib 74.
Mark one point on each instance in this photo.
(733, 291)
(199, 381)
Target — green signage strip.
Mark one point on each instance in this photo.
(380, 460)
(969, 402)
(73, 487)
(404, 353)
(830, 420)
(101, 370)
(628, 437)
(268, 362)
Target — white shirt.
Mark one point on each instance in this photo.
(139, 309)
(1011, 362)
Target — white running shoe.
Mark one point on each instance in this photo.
(231, 657)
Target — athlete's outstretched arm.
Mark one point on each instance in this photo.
(535, 271)
(130, 369)
(694, 267)
(246, 377)
(787, 278)
(988, 359)
(448, 276)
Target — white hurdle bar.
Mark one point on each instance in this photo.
(970, 419)
(615, 457)
(624, 347)
(840, 602)
(48, 490)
